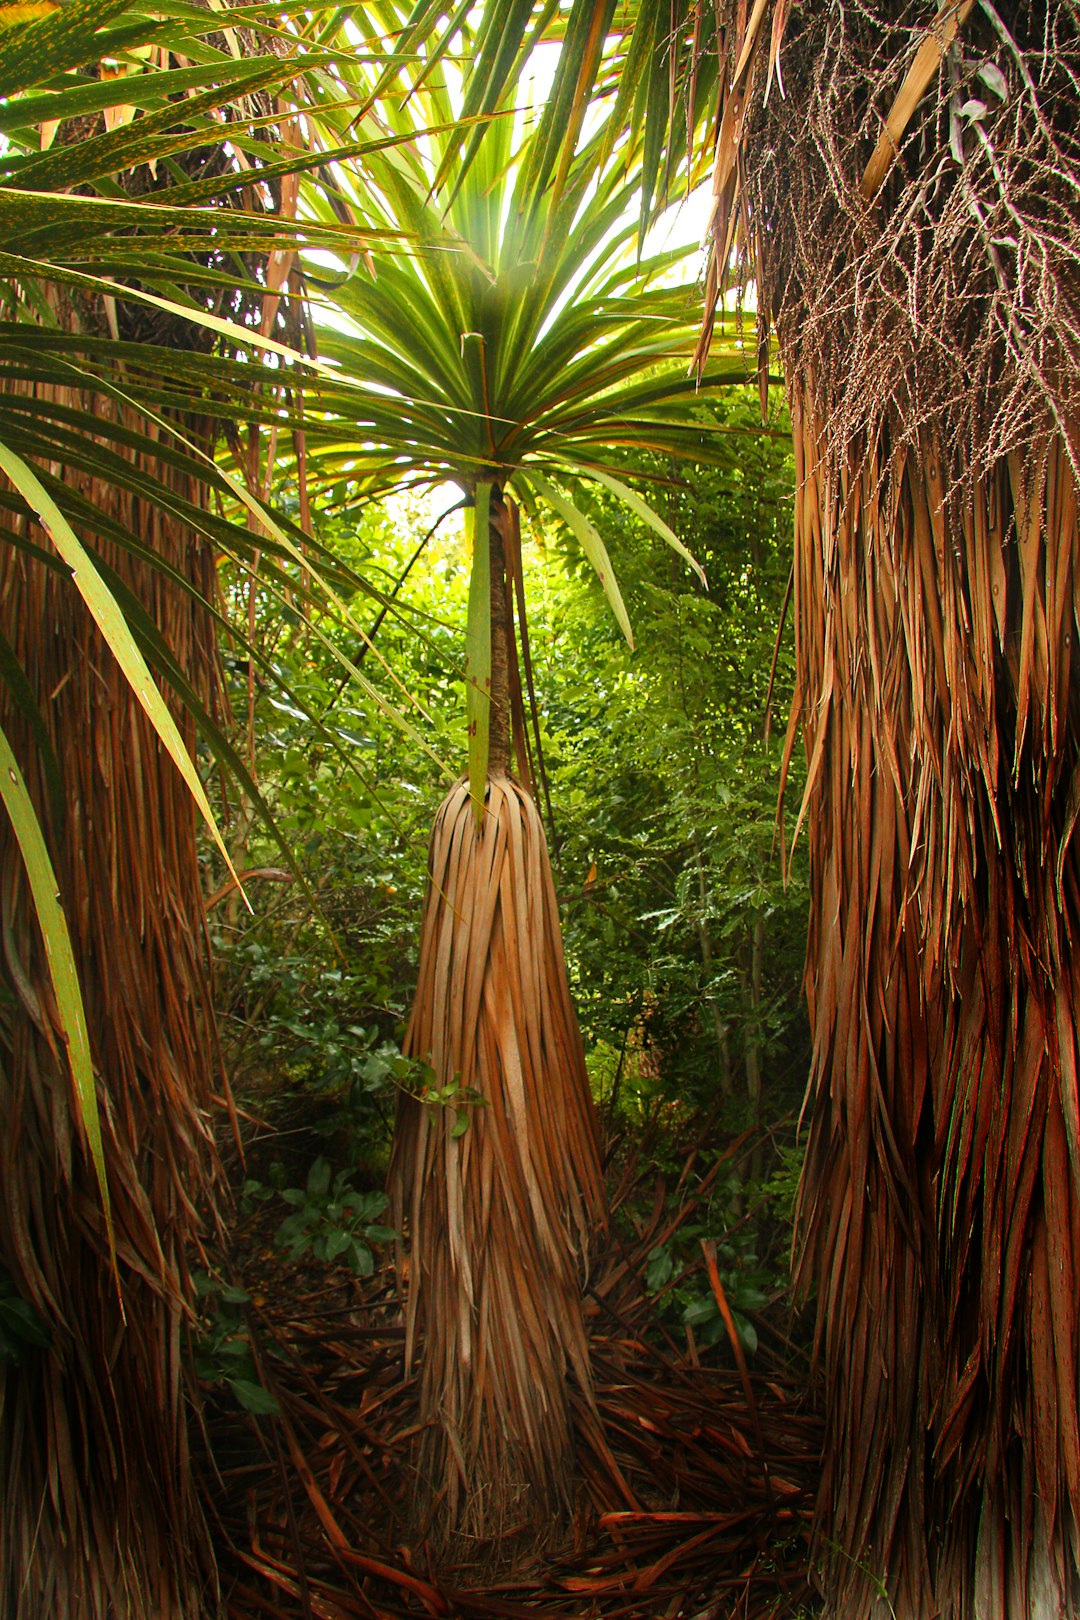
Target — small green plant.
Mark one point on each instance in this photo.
(744, 1283)
(876, 1579)
(781, 1189)
(753, 1275)
(454, 1095)
(331, 1220)
(223, 1353)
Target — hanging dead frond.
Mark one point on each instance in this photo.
(106, 572)
(100, 1513)
(910, 210)
(496, 1177)
(907, 211)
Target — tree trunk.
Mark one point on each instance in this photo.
(100, 1519)
(497, 1179)
(940, 1212)
(909, 196)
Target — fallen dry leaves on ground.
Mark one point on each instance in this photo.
(692, 1503)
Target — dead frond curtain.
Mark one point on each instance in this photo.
(500, 1192)
(904, 181)
(940, 1215)
(100, 1519)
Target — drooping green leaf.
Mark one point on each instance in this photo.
(591, 545)
(60, 958)
(114, 628)
(645, 512)
(22, 695)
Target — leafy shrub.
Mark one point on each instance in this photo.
(223, 1353)
(331, 1220)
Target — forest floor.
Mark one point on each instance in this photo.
(694, 1505)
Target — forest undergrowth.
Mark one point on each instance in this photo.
(695, 1487)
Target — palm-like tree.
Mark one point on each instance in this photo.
(122, 254)
(512, 351)
(113, 176)
(903, 182)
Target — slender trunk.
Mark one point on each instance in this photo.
(499, 744)
(720, 1028)
(752, 1039)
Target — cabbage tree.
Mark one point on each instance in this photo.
(903, 183)
(516, 351)
(134, 238)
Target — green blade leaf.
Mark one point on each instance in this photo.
(21, 693)
(645, 512)
(591, 545)
(478, 649)
(54, 40)
(61, 962)
(114, 628)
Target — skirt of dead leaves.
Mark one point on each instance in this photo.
(696, 1491)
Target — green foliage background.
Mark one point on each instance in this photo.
(663, 787)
